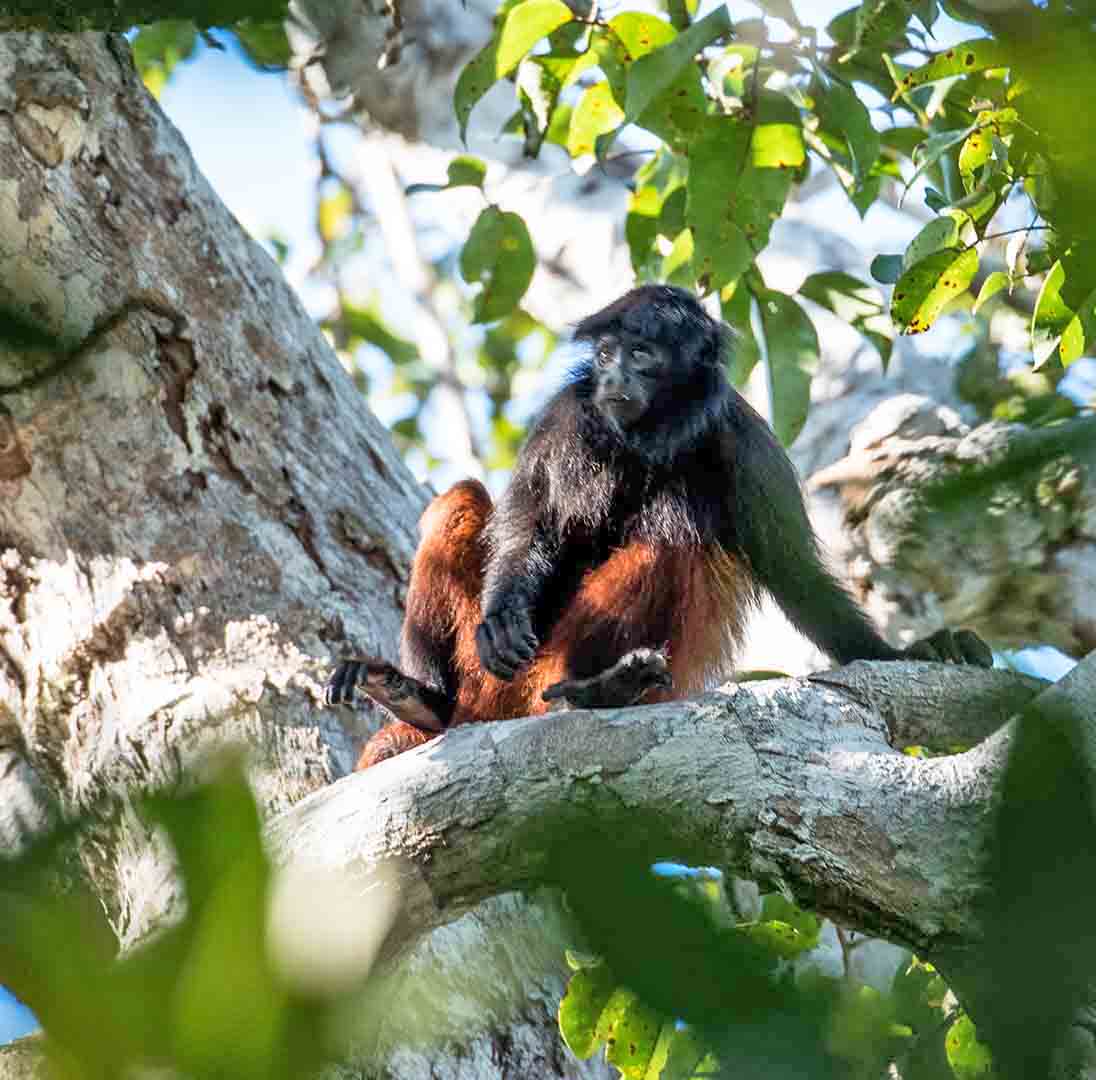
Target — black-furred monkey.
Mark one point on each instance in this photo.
(649, 508)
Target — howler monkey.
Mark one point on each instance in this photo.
(649, 508)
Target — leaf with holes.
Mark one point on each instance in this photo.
(588, 993)
(927, 287)
(630, 1030)
(524, 25)
(792, 347)
(962, 59)
(499, 255)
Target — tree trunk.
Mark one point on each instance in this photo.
(197, 510)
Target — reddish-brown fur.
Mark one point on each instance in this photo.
(694, 599)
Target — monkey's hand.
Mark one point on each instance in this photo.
(952, 646)
(623, 684)
(398, 695)
(506, 641)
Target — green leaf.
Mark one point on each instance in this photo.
(630, 1030)
(159, 47)
(792, 348)
(845, 115)
(499, 255)
(886, 269)
(588, 992)
(731, 203)
(466, 171)
(879, 22)
(641, 225)
(777, 909)
(640, 33)
(778, 146)
(717, 172)
(679, 1055)
(975, 152)
(1055, 328)
(932, 150)
(360, 324)
(968, 1058)
(993, 284)
(940, 233)
(677, 267)
(857, 303)
(264, 43)
(656, 72)
(925, 289)
(595, 114)
(524, 25)
(962, 59)
(736, 303)
(846, 296)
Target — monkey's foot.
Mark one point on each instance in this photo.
(402, 697)
(623, 684)
(952, 646)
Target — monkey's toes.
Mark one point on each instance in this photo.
(339, 689)
(953, 647)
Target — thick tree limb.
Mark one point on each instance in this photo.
(784, 780)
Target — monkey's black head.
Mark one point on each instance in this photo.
(656, 364)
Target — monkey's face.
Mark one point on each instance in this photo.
(627, 371)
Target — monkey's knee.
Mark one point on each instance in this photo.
(456, 515)
(391, 740)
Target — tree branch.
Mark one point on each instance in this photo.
(788, 780)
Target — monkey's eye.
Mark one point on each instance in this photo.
(641, 355)
(604, 353)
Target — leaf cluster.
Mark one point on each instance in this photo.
(203, 997)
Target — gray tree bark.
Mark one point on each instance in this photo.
(197, 511)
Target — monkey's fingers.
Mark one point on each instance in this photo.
(975, 651)
(506, 642)
(952, 647)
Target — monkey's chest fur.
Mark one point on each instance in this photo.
(642, 566)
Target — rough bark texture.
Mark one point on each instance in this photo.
(786, 780)
(1010, 554)
(196, 507)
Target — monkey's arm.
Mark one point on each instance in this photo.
(525, 552)
(770, 526)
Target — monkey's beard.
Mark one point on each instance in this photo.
(621, 412)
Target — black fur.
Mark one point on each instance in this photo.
(700, 467)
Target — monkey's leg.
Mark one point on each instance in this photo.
(622, 684)
(400, 696)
